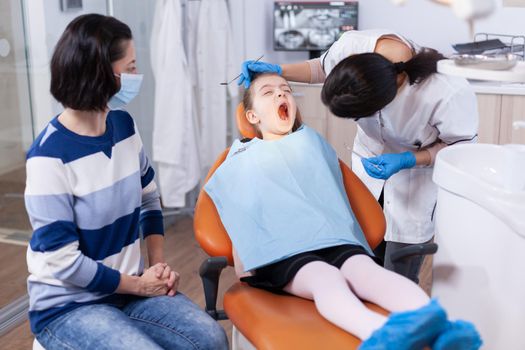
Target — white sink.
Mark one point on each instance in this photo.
(479, 268)
(492, 176)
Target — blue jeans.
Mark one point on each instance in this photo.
(144, 323)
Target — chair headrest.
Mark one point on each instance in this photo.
(245, 128)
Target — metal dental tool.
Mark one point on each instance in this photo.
(360, 156)
(231, 81)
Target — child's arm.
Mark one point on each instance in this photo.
(239, 268)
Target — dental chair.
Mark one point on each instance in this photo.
(265, 320)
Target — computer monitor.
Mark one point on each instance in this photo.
(311, 26)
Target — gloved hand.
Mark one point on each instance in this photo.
(251, 67)
(386, 165)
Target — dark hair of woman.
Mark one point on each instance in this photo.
(81, 73)
(363, 84)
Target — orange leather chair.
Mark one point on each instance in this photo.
(267, 320)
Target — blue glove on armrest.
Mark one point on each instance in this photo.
(251, 67)
(386, 165)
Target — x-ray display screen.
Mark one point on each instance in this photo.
(309, 26)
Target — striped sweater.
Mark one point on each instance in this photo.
(86, 197)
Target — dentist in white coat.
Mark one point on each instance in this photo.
(405, 112)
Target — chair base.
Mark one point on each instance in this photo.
(239, 341)
(37, 345)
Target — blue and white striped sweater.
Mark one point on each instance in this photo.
(85, 197)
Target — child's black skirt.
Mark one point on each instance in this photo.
(276, 276)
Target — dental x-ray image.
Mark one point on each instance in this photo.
(311, 26)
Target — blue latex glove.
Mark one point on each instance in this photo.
(251, 67)
(386, 165)
(409, 330)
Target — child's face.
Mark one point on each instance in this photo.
(273, 106)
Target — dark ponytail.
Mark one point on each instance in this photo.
(362, 84)
(422, 65)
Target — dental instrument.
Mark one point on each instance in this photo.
(229, 82)
(360, 156)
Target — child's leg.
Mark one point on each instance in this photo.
(415, 322)
(333, 298)
(385, 288)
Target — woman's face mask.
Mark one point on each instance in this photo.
(129, 88)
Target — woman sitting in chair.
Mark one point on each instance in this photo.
(282, 201)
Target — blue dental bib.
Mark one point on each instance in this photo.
(283, 197)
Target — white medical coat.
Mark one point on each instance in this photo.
(175, 144)
(216, 63)
(440, 108)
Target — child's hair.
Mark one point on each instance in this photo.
(247, 103)
(362, 84)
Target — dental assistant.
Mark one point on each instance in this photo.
(89, 187)
(405, 112)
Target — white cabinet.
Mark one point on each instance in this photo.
(489, 107)
(497, 113)
(340, 134)
(312, 110)
(512, 110)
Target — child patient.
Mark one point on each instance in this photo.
(282, 201)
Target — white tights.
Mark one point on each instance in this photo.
(337, 293)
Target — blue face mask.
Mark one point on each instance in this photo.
(129, 88)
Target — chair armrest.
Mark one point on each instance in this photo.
(210, 271)
(416, 249)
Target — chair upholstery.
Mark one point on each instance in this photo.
(271, 321)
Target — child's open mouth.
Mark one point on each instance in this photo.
(283, 111)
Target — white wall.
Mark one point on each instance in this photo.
(15, 117)
(433, 25)
(423, 21)
(258, 33)
(138, 15)
(19, 53)
(45, 23)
